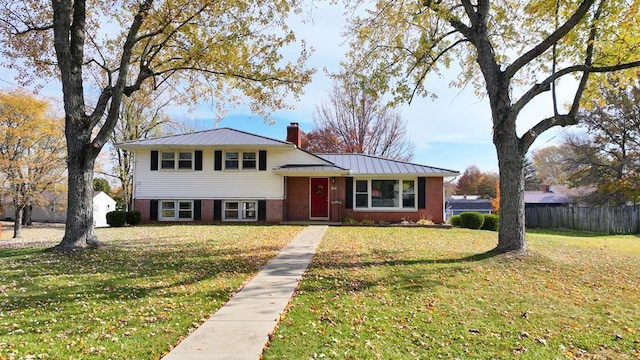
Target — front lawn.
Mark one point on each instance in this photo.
(133, 300)
(406, 293)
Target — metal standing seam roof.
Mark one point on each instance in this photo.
(469, 204)
(357, 164)
(361, 164)
(222, 137)
(310, 167)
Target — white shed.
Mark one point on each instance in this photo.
(102, 204)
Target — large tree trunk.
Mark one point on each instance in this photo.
(17, 225)
(511, 230)
(79, 227)
(26, 215)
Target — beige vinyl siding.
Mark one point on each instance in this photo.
(210, 184)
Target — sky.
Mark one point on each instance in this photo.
(451, 132)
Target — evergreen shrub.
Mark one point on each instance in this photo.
(116, 218)
(133, 217)
(491, 222)
(471, 220)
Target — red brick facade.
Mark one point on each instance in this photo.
(206, 211)
(296, 206)
(275, 211)
(297, 203)
(297, 199)
(144, 206)
(434, 209)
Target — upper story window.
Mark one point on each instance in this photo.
(236, 160)
(249, 160)
(231, 161)
(168, 160)
(185, 160)
(176, 160)
(389, 194)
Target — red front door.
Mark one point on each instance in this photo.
(319, 198)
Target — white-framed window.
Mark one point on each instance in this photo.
(168, 160)
(176, 210)
(384, 194)
(231, 160)
(408, 194)
(240, 210)
(237, 160)
(362, 193)
(249, 160)
(184, 160)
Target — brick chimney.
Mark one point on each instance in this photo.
(545, 188)
(294, 135)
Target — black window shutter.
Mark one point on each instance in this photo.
(153, 209)
(349, 191)
(154, 159)
(217, 161)
(217, 210)
(198, 156)
(262, 160)
(422, 194)
(197, 210)
(262, 210)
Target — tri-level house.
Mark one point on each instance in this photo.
(226, 175)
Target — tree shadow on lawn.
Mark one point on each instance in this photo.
(116, 274)
(403, 277)
(389, 257)
(567, 232)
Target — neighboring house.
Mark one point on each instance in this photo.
(226, 175)
(102, 204)
(545, 197)
(576, 195)
(56, 212)
(457, 204)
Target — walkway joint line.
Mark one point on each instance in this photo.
(241, 328)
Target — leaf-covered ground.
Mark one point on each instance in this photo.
(133, 300)
(414, 293)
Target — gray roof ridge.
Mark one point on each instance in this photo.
(400, 161)
(315, 165)
(207, 130)
(258, 135)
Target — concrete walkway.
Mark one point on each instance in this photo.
(241, 328)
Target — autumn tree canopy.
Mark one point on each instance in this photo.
(222, 52)
(607, 155)
(551, 164)
(355, 120)
(512, 52)
(141, 116)
(32, 155)
(475, 182)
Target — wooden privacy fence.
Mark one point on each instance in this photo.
(606, 219)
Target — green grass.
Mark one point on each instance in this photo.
(388, 293)
(133, 300)
(407, 293)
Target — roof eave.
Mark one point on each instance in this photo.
(396, 174)
(131, 147)
(311, 173)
